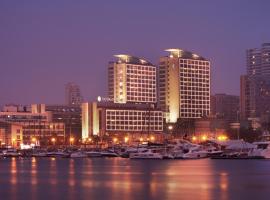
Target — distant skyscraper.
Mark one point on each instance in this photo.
(255, 87)
(184, 85)
(258, 60)
(132, 80)
(73, 94)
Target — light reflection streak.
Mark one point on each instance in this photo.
(71, 172)
(13, 171)
(189, 177)
(34, 178)
(224, 185)
(53, 172)
(13, 179)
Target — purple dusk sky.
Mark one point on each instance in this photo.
(44, 44)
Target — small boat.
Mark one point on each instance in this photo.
(168, 156)
(178, 154)
(39, 154)
(11, 153)
(93, 154)
(58, 154)
(109, 153)
(262, 150)
(195, 153)
(236, 156)
(78, 154)
(130, 150)
(215, 153)
(146, 154)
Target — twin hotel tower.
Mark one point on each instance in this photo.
(144, 101)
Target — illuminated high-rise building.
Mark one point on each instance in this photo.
(130, 111)
(132, 80)
(184, 85)
(73, 94)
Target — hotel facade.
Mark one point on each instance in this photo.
(184, 85)
(131, 108)
(132, 80)
(108, 118)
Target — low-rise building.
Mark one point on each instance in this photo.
(37, 125)
(121, 120)
(11, 134)
(70, 115)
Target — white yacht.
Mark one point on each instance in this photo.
(93, 154)
(262, 150)
(109, 153)
(146, 154)
(11, 153)
(57, 154)
(39, 154)
(195, 153)
(78, 154)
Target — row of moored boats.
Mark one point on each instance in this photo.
(178, 149)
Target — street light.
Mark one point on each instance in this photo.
(71, 140)
(170, 127)
(115, 140)
(53, 141)
(204, 137)
(34, 140)
(126, 139)
(222, 137)
(194, 138)
(152, 138)
(13, 142)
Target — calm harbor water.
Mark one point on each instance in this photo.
(116, 178)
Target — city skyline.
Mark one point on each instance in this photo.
(47, 46)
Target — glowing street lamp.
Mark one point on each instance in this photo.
(141, 139)
(152, 138)
(222, 137)
(13, 142)
(194, 138)
(126, 139)
(71, 140)
(170, 127)
(34, 140)
(90, 139)
(204, 137)
(115, 140)
(53, 141)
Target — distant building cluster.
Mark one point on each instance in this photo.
(255, 85)
(146, 100)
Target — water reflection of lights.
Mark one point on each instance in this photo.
(34, 171)
(53, 171)
(13, 171)
(71, 172)
(189, 177)
(34, 181)
(223, 185)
